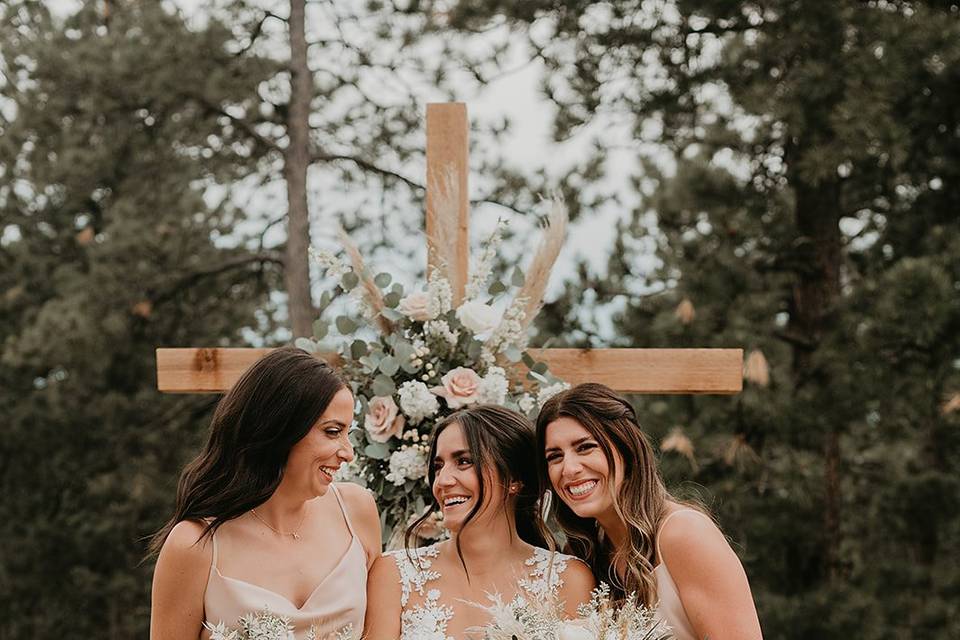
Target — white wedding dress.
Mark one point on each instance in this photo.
(428, 616)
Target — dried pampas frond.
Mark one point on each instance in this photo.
(685, 312)
(443, 219)
(678, 442)
(740, 453)
(538, 274)
(951, 404)
(756, 369)
(370, 289)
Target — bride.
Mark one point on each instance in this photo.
(483, 474)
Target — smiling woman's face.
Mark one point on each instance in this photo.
(317, 456)
(578, 469)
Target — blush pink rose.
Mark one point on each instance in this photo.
(460, 387)
(383, 419)
(416, 306)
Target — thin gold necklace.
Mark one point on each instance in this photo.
(295, 533)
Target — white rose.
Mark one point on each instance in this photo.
(574, 630)
(478, 317)
(382, 421)
(416, 306)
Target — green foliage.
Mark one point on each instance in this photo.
(107, 253)
(809, 212)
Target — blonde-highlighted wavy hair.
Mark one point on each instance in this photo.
(640, 502)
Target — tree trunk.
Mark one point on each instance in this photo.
(297, 160)
(815, 295)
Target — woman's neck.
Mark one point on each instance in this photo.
(283, 510)
(485, 546)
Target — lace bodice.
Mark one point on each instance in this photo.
(429, 617)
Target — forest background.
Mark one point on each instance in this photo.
(780, 176)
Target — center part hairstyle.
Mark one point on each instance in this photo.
(502, 446)
(270, 408)
(640, 503)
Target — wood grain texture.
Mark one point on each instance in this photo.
(448, 211)
(647, 371)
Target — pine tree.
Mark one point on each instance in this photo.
(109, 250)
(809, 215)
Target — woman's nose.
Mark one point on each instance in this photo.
(346, 452)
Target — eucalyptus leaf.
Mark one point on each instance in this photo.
(496, 288)
(383, 386)
(382, 280)
(517, 279)
(377, 451)
(533, 375)
(403, 349)
(320, 329)
(389, 365)
(540, 367)
(528, 360)
(408, 366)
(358, 349)
(474, 349)
(345, 325)
(512, 353)
(349, 280)
(392, 299)
(391, 314)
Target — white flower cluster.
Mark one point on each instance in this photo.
(527, 403)
(409, 462)
(440, 295)
(510, 332)
(440, 330)
(416, 401)
(480, 273)
(548, 392)
(332, 265)
(493, 386)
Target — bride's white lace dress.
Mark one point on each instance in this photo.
(429, 617)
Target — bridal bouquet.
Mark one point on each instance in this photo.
(413, 357)
(265, 625)
(599, 620)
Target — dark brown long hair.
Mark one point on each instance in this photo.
(641, 502)
(503, 441)
(270, 408)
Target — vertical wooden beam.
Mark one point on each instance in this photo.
(448, 212)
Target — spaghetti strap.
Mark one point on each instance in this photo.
(343, 509)
(213, 560)
(664, 524)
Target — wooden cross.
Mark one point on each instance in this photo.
(648, 371)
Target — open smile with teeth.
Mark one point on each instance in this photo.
(454, 501)
(329, 471)
(581, 489)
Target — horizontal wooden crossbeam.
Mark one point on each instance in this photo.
(648, 371)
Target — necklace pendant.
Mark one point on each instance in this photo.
(296, 536)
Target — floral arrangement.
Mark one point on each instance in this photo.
(413, 357)
(599, 620)
(265, 625)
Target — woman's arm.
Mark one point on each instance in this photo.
(365, 518)
(179, 584)
(578, 583)
(712, 583)
(383, 600)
